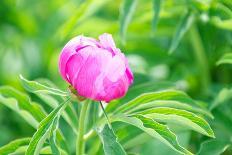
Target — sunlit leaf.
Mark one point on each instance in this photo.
(182, 117)
(110, 143)
(43, 130)
(21, 103)
(126, 12)
(36, 87)
(182, 28)
(226, 58)
(165, 95)
(52, 139)
(171, 104)
(44, 90)
(13, 146)
(156, 130)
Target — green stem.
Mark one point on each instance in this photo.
(80, 138)
(201, 58)
(107, 118)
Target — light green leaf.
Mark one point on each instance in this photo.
(83, 11)
(126, 12)
(165, 95)
(223, 24)
(225, 59)
(156, 9)
(13, 146)
(52, 139)
(110, 143)
(43, 130)
(156, 130)
(21, 103)
(182, 28)
(182, 117)
(213, 147)
(171, 104)
(35, 87)
(137, 90)
(223, 96)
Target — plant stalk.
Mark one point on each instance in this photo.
(80, 144)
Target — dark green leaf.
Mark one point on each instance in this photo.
(110, 143)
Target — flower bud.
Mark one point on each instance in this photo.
(95, 69)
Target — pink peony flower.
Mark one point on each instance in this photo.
(95, 69)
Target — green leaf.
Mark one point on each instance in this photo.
(13, 146)
(69, 115)
(110, 143)
(42, 132)
(21, 103)
(171, 104)
(165, 95)
(83, 11)
(156, 9)
(213, 147)
(223, 96)
(182, 117)
(35, 87)
(52, 139)
(182, 28)
(156, 130)
(223, 24)
(225, 59)
(126, 12)
(137, 90)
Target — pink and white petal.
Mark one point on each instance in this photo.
(116, 68)
(72, 47)
(73, 67)
(107, 41)
(113, 90)
(94, 59)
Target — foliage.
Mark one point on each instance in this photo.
(179, 51)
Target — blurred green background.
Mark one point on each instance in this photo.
(175, 41)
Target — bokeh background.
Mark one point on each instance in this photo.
(170, 41)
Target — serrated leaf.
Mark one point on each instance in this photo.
(110, 143)
(182, 117)
(43, 130)
(35, 87)
(13, 146)
(21, 103)
(225, 59)
(69, 115)
(181, 29)
(137, 90)
(126, 12)
(156, 130)
(166, 95)
(170, 104)
(156, 10)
